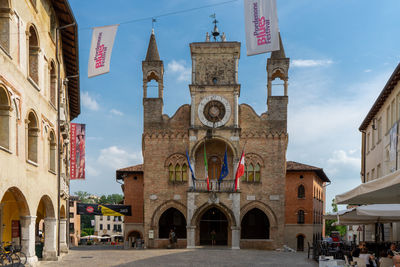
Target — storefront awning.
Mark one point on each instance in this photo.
(385, 190)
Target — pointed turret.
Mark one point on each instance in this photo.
(278, 67)
(153, 70)
(152, 51)
(279, 53)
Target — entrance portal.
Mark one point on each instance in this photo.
(214, 220)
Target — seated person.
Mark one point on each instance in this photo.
(396, 260)
(368, 258)
(392, 251)
(356, 251)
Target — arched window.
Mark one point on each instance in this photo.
(5, 20)
(33, 136)
(171, 172)
(301, 192)
(33, 66)
(172, 219)
(255, 225)
(5, 108)
(52, 152)
(300, 217)
(250, 173)
(257, 174)
(244, 177)
(53, 83)
(178, 173)
(214, 167)
(184, 172)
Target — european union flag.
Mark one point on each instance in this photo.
(224, 169)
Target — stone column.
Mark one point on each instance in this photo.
(235, 237)
(50, 239)
(63, 236)
(190, 236)
(28, 238)
(192, 110)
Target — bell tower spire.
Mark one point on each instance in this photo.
(278, 67)
(153, 69)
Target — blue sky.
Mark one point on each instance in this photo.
(342, 53)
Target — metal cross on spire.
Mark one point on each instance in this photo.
(215, 32)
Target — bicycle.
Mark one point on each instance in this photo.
(8, 256)
(16, 249)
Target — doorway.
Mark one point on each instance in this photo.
(214, 220)
(300, 243)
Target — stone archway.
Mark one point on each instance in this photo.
(133, 237)
(160, 211)
(46, 228)
(63, 230)
(213, 226)
(195, 229)
(272, 219)
(16, 222)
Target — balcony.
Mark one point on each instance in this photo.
(215, 186)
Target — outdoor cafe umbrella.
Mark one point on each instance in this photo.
(369, 214)
(90, 237)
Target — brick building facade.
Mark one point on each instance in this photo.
(305, 204)
(251, 217)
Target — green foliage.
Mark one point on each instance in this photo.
(329, 228)
(88, 231)
(111, 199)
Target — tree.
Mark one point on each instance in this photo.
(329, 228)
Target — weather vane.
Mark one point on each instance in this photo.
(215, 33)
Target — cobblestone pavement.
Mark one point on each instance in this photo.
(180, 257)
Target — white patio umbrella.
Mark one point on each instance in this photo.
(369, 214)
(90, 237)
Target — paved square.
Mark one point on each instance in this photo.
(180, 257)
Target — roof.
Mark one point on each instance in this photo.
(279, 54)
(132, 169)
(292, 166)
(152, 50)
(386, 91)
(70, 52)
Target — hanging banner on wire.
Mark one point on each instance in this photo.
(262, 30)
(77, 159)
(100, 50)
(105, 210)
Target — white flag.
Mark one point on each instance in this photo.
(262, 30)
(100, 50)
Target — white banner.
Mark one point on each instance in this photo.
(262, 30)
(100, 50)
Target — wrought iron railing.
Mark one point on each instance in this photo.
(214, 186)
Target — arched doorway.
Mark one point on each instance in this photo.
(45, 229)
(300, 242)
(255, 225)
(214, 220)
(133, 238)
(172, 219)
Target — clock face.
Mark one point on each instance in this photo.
(214, 111)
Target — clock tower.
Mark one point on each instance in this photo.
(214, 89)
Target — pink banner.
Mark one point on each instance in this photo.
(77, 160)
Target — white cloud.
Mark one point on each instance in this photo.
(310, 63)
(116, 112)
(89, 102)
(179, 67)
(341, 157)
(367, 70)
(116, 158)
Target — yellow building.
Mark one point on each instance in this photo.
(33, 186)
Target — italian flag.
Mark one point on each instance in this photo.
(239, 171)
(206, 168)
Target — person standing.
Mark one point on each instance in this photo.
(213, 237)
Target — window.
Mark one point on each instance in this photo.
(373, 138)
(33, 136)
(119, 228)
(108, 218)
(71, 215)
(367, 176)
(171, 172)
(108, 227)
(388, 118)
(257, 174)
(250, 173)
(178, 173)
(184, 172)
(71, 228)
(52, 152)
(300, 217)
(114, 227)
(33, 66)
(71, 203)
(53, 25)
(301, 192)
(101, 226)
(378, 171)
(379, 129)
(214, 167)
(101, 218)
(4, 118)
(368, 140)
(5, 22)
(373, 174)
(393, 114)
(53, 83)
